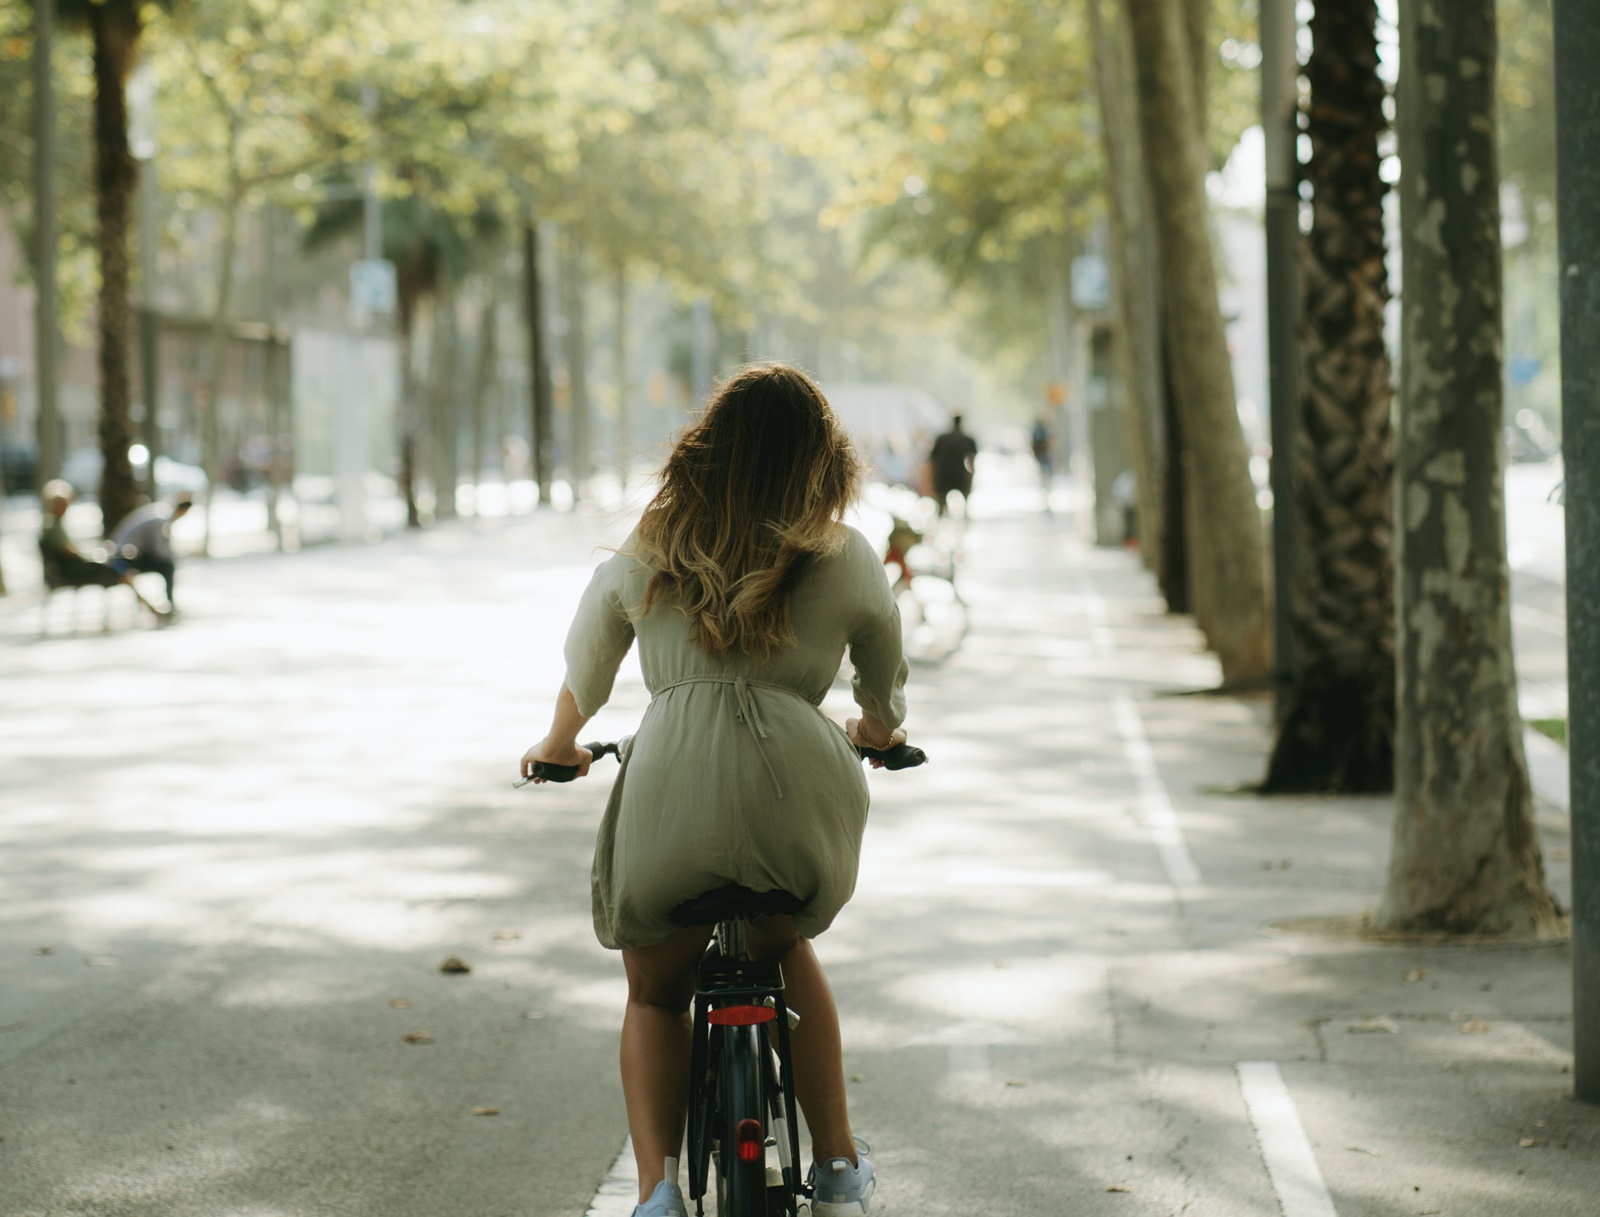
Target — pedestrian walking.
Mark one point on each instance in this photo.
(744, 589)
(952, 458)
(142, 542)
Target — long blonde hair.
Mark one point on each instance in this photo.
(753, 491)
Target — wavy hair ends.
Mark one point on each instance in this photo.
(753, 491)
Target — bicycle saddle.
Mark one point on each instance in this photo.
(733, 901)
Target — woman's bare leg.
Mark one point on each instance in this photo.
(655, 1049)
(818, 1051)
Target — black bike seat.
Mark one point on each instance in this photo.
(732, 902)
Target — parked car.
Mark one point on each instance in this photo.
(83, 467)
(18, 468)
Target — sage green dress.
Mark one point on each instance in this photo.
(734, 775)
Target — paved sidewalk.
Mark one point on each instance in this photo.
(243, 838)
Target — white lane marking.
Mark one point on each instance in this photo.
(1155, 805)
(1538, 619)
(1291, 1164)
(619, 1194)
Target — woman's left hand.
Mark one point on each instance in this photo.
(556, 753)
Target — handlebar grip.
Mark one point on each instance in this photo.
(901, 756)
(568, 773)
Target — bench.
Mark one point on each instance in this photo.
(80, 573)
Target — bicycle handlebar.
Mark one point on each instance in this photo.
(901, 756)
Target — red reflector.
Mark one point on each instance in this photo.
(742, 1016)
(747, 1138)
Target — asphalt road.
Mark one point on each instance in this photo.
(235, 852)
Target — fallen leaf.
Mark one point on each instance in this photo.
(44, 950)
(485, 1111)
(1362, 1149)
(418, 1037)
(1014, 1082)
(1368, 1025)
(535, 1014)
(399, 1003)
(1530, 1142)
(1117, 1187)
(1474, 1026)
(454, 965)
(1415, 975)
(505, 936)
(856, 1077)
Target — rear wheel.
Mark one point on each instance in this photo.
(741, 1125)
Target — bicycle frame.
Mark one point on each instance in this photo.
(727, 977)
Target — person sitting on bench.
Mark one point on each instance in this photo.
(143, 541)
(64, 566)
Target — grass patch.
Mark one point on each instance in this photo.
(1555, 728)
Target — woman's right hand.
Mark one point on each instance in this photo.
(869, 732)
(556, 753)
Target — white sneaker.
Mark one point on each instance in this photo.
(841, 1189)
(665, 1201)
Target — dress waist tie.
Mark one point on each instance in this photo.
(748, 712)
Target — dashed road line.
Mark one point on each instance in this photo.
(1291, 1164)
(1155, 805)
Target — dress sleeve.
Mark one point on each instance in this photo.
(875, 648)
(599, 639)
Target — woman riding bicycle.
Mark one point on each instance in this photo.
(744, 588)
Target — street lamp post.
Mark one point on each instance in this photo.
(1577, 48)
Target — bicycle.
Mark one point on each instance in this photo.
(741, 1085)
(933, 615)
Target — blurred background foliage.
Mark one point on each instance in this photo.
(898, 179)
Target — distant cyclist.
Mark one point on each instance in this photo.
(954, 454)
(744, 590)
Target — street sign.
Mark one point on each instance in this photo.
(1091, 284)
(372, 287)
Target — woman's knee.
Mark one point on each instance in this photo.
(663, 975)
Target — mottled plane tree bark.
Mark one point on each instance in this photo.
(1135, 285)
(1337, 732)
(1223, 522)
(1466, 855)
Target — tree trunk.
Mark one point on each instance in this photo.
(115, 29)
(1337, 733)
(483, 380)
(577, 354)
(1466, 855)
(1134, 278)
(408, 307)
(619, 273)
(446, 444)
(211, 420)
(1225, 542)
(1197, 37)
(539, 389)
